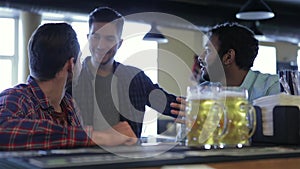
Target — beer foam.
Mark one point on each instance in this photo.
(197, 96)
(232, 94)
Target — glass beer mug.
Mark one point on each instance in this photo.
(205, 116)
(241, 117)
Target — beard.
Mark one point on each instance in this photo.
(214, 72)
(103, 60)
(106, 61)
(205, 75)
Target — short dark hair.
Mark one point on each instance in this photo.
(49, 48)
(107, 14)
(237, 37)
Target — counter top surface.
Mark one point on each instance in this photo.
(157, 155)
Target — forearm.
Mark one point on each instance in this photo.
(40, 134)
(120, 133)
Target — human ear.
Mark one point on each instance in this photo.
(229, 57)
(71, 64)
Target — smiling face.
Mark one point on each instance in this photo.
(103, 42)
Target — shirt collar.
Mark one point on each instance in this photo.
(43, 100)
(38, 93)
(248, 81)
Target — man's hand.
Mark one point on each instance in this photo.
(124, 129)
(119, 134)
(179, 109)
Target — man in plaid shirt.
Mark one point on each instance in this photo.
(39, 114)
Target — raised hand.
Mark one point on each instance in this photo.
(179, 109)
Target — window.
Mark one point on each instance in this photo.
(265, 61)
(8, 52)
(7, 36)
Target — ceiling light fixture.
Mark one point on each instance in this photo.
(255, 10)
(155, 35)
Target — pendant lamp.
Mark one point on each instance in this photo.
(155, 35)
(255, 10)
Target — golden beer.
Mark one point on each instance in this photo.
(241, 119)
(203, 121)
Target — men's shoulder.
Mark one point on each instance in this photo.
(14, 95)
(85, 64)
(264, 84)
(127, 69)
(17, 90)
(269, 81)
(266, 76)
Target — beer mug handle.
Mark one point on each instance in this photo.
(217, 119)
(225, 120)
(252, 120)
(222, 108)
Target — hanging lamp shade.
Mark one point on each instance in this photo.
(155, 35)
(255, 10)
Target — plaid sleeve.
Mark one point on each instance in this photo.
(19, 132)
(39, 134)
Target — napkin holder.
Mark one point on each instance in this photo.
(286, 122)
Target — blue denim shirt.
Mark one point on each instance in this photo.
(260, 84)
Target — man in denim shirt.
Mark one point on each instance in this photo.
(229, 56)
